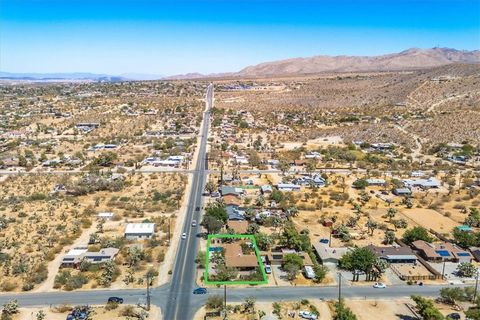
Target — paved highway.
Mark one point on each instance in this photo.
(184, 270)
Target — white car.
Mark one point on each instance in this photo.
(194, 223)
(379, 285)
(268, 269)
(184, 235)
(307, 315)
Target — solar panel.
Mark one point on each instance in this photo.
(443, 253)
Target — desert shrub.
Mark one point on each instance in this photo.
(8, 285)
(214, 302)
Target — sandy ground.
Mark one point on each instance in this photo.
(372, 309)
(430, 219)
(100, 314)
(321, 306)
(54, 265)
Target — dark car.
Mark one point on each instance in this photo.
(200, 291)
(324, 241)
(115, 300)
(454, 316)
(197, 209)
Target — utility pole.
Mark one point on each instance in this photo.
(169, 235)
(476, 287)
(443, 270)
(148, 292)
(225, 301)
(339, 287)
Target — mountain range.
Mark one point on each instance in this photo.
(413, 58)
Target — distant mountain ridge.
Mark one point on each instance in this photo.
(60, 76)
(408, 59)
(413, 58)
(86, 76)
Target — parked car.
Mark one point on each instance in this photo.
(197, 209)
(307, 315)
(325, 241)
(454, 315)
(115, 300)
(194, 223)
(379, 285)
(184, 235)
(200, 291)
(308, 271)
(268, 269)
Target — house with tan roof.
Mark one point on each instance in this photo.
(235, 258)
(444, 251)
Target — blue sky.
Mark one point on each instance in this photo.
(172, 37)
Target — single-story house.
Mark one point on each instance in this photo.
(429, 183)
(139, 230)
(238, 226)
(375, 182)
(235, 212)
(266, 189)
(235, 258)
(226, 190)
(275, 256)
(288, 187)
(105, 215)
(444, 251)
(327, 254)
(313, 155)
(75, 256)
(394, 254)
(402, 192)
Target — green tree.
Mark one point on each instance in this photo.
(249, 304)
(342, 312)
(465, 239)
(212, 224)
(210, 186)
(217, 211)
(473, 218)
(264, 241)
(360, 184)
(358, 259)
(452, 295)
(416, 233)
(371, 226)
(292, 263)
(426, 309)
(320, 272)
(284, 166)
(389, 237)
(466, 269)
(391, 214)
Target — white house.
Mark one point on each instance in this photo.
(375, 182)
(422, 183)
(139, 230)
(105, 215)
(288, 187)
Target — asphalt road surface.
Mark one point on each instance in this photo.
(184, 270)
